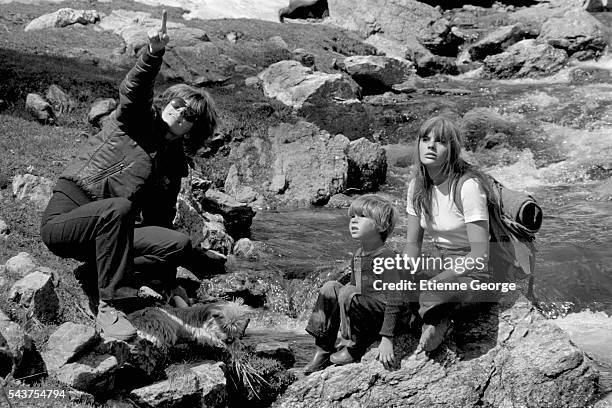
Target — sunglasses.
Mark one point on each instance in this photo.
(188, 113)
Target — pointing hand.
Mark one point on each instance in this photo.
(159, 39)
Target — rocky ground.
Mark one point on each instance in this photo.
(310, 111)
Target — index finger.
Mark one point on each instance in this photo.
(164, 19)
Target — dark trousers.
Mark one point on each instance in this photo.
(102, 233)
(365, 316)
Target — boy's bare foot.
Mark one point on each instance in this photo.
(433, 335)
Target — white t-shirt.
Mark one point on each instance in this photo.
(448, 228)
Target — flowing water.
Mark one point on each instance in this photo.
(573, 278)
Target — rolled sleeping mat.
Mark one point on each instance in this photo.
(522, 208)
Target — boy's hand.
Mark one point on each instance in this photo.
(384, 353)
(159, 39)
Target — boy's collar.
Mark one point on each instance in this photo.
(374, 252)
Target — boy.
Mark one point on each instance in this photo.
(361, 309)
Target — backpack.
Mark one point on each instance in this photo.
(514, 219)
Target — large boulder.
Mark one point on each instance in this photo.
(40, 108)
(21, 264)
(498, 40)
(238, 216)
(505, 355)
(60, 100)
(36, 189)
(377, 74)
(100, 108)
(190, 57)
(63, 18)
(367, 165)
(329, 100)
(577, 32)
(526, 58)
(67, 343)
(312, 163)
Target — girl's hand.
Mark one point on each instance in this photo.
(385, 354)
(159, 39)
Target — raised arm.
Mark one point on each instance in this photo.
(136, 90)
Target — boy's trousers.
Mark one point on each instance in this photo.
(365, 317)
(102, 233)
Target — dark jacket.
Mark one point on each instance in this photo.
(129, 157)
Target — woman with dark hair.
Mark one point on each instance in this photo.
(448, 198)
(134, 165)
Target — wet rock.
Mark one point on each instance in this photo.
(376, 74)
(63, 18)
(527, 58)
(237, 215)
(498, 40)
(510, 353)
(276, 350)
(367, 165)
(245, 249)
(40, 109)
(247, 285)
(67, 343)
(576, 32)
(329, 100)
(598, 172)
(304, 57)
(37, 293)
(18, 354)
(313, 163)
(215, 236)
(99, 109)
(203, 385)
(430, 64)
(61, 102)
(21, 264)
(36, 189)
(339, 201)
(480, 124)
(4, 229)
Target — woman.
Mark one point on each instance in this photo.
(132, 166)
(448, 199)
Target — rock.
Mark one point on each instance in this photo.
(594, 172)
(367, 165)
(94, 373)
(313, 163)
(234, 36)
(278, 42)
(430, 64)
(37, 189)
(576, 32)
(237, 215)
(63, 18)
(245, 249)
(508, 355)
(304, 57)
(527, 58)
(279, 184)
(40, 109)
(440, 39)
(215, 236)
(67, 343)
(329, 100)
(232, 186)
(252, 81)
(203, 385)
(395, 18)
(597, 5)
(18, 354)
(61, 102)
(376, 74)
(480, 124)
(339, 201)
(276, 350)
(36, 292)
(4, 229)
(247, 285)
(498, 40)
(100, 108)
(21, 264)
